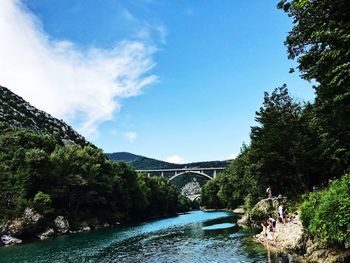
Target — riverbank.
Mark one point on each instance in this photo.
(32, 227)
(291, 237)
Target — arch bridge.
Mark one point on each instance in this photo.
(209, 172)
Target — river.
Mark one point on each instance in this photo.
(193, 237)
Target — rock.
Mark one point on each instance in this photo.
(86, 228)
(48, 233)
(238, 210)
(26, 226)
(9, 240)
(105, 225)
(267, 206)
(61, 225)
(244, 220)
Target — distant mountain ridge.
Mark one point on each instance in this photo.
(139, 162)
(15, 111)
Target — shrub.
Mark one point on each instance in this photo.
(42, 203)
(326, 214)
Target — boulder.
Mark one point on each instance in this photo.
(9, 240)
(48, 233)
(86, 228)
(267, 206)
(61, 225)
(26, 226)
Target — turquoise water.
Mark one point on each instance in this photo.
(194, 237)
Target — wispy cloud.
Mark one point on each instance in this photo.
(175, 159)
(56, 76)
(130, 136)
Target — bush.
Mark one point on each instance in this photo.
(42, 203)
(326, 214)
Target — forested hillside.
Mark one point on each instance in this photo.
(47, 166)
(76, 182)
(139, 162)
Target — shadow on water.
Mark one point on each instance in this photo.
(177, 239)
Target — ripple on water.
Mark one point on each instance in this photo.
(219, 226)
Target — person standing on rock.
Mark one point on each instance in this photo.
(280, 212)
(269, 192)
(272, 227)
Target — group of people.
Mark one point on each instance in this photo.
(282, 217)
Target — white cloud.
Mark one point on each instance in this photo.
(233, 156)
(84, 86)
(175, 159)
(130, 136)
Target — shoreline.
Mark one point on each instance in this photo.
(291, 238)
(54, 233)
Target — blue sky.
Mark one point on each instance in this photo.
(173, 80)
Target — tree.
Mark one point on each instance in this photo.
(320, 41)
(209, 195)
(279, 145)
(42, 203)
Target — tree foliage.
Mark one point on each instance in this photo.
(295, 146)
(77, 182)
(320, 41)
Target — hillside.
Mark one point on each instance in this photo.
(139, 162)
(15, 111)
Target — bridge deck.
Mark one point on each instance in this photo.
(183, 169)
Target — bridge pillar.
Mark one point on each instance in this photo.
(214, 175)
(162, 174)
(148, 175)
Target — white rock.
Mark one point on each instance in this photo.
(61, 224)
(48, 233)
(9, 240)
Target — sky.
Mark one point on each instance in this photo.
(173, 80)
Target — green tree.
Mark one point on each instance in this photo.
(319, 41)
(42, 203)
(209, 195)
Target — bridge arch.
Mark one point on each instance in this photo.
(194, 172)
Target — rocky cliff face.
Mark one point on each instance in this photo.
(15, 111)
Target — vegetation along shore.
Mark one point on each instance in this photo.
(301, 150)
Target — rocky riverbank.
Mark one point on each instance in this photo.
(291, 237)
(32, 226)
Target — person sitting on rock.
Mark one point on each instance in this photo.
(264, 225)
(295, 217)
(285, 215)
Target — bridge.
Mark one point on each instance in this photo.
(209, 172)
